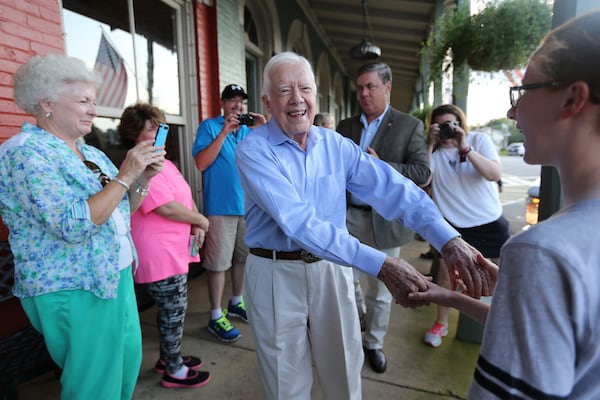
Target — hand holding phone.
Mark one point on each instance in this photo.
(161, 136)
(194, 245)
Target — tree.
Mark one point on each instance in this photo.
(500, 37)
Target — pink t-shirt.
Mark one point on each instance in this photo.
(162, 244)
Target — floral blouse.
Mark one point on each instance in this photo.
(44, 188)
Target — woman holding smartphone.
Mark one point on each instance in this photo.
(161, 229)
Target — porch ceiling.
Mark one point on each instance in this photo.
(399, 27)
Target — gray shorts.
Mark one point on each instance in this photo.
(224, 242)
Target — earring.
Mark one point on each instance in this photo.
(48, 115)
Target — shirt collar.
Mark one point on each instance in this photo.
(377, 121)
(276, 136)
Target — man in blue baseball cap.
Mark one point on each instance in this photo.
(223, 200)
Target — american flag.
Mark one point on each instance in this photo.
(110, 66)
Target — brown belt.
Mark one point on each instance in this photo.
(303, 255)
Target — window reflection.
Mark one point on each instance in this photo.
(153, 74)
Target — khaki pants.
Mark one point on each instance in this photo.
(299, 314)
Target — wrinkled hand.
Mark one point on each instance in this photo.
(142, 159)
(401, 278)
(465, 264)
(153, 169)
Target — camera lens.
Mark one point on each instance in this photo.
(447, 131)
(246, 119)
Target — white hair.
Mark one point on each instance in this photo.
(44, 78)
(285, 58)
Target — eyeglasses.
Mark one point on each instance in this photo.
(102, 177)
(516, 92)
(237, 100)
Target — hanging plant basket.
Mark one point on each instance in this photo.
(501, 36)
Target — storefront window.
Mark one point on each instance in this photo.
(99, 33)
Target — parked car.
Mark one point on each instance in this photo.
(532, 204)
(516, 149)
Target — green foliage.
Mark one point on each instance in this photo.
(504, 125)
(422, 114)
(501, 36)
(451, 38)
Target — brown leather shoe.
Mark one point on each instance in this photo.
(376, 359)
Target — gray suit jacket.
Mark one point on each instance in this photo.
(400, 142)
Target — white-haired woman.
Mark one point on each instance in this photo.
(67, 208)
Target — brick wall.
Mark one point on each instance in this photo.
(230, 41)
(207, 61)
(26, 29)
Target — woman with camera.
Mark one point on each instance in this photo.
(465, 168)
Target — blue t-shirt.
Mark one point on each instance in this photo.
(222, 192)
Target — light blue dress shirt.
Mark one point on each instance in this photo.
(366, 138)
(369, 129)
(296, 199)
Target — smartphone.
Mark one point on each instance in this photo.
(194, 245)
(161, 135)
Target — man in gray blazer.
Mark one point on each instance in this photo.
(398, 139)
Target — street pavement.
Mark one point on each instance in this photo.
(415, 371)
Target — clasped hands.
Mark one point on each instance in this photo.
(467, 267)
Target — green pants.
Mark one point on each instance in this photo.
(96, 342)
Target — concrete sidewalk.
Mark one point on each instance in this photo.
(415, 371)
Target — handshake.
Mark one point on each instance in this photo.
(466, 266)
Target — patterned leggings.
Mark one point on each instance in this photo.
(170, 296)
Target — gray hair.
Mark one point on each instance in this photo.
(322, 118)
(44, 77)
(383, 70)
(284, 58)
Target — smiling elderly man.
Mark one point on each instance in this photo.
(299, 291)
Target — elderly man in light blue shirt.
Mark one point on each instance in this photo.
(299, 291)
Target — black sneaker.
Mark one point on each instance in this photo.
(189, 361)
(194, 379)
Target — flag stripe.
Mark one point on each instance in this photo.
(110, 66)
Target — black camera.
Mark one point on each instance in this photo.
(447, 130)
(246, 119)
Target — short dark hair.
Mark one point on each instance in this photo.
(383, 70)
(133, 121)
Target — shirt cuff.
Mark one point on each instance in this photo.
(81, 210)
(439, 233)
(369, 260)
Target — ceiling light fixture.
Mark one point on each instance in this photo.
(365, 50)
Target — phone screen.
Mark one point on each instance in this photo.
(161, 135)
